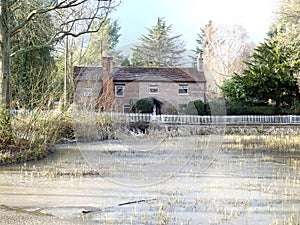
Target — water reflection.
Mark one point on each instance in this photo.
(239, 187)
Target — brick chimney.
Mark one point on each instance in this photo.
(200, 62)
(107, 65)
(107, 98)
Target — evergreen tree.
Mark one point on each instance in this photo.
(158, 47)
(103, 43)
(201, 40)
(125, 62)
(29, 69)
(269, 77)
(286, 30)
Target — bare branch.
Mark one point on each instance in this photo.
(70, 20)
(56, 38)
(54, 6)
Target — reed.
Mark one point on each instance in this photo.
(281, 142)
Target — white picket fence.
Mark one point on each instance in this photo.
(208, 120)
(198, 120)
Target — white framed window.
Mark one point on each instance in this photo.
(87, 92)
(126, 108)
(119, 90)
(153, 89)
(183, 89)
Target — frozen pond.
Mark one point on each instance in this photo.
(221, 187)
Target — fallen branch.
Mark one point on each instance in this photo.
(120, 204)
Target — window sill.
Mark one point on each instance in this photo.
(183, 93)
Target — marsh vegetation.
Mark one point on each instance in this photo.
(251, 180)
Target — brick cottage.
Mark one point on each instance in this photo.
(111, 88)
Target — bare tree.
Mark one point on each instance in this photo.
(71, 17)
(224, 49)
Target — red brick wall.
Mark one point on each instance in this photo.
(167, 93)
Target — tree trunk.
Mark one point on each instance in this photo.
(5, 56)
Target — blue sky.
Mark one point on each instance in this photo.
(188, 16)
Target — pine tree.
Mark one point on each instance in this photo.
(201, 38)
(269, 76)
(158, 47)
(103, 43)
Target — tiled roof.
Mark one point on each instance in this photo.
(195, 73)
(129, 74)
(155, 74)
(81, 72)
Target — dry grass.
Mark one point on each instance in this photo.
(281, 142)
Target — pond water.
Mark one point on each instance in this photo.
(220, 187)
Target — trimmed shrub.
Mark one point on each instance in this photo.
(144, 105)
(261, 110)
(239, 109)
(216, 107)
(236, 109)
(197, 107)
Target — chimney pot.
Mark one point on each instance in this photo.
(200, 62)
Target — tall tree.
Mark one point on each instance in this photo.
(102, 43)
(71, 10)
(30, 68)
(208, 29)
(286, 29)
(223, 48)
(269, 77)
(159, 47)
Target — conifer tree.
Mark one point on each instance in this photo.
(269, 77)
(159, 47)
(103, 43)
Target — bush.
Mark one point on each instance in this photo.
(92, 127)
(236, 109)
(172, 110)
(216, 107)
(6, 133)
(144, 105)
(240, 109)
(261, 110)
(197, 107)
(31, 136)
(297, 108)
